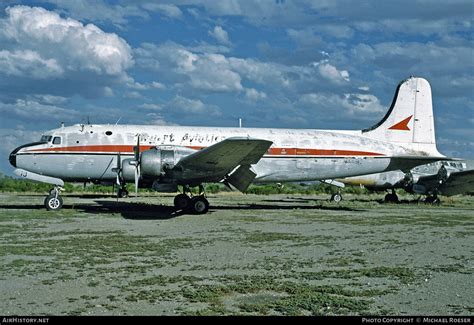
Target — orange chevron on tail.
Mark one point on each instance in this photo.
(402, 125)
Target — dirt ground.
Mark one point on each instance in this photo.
(250, 255)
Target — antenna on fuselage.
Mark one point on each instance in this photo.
(240, 123)
(118, 120)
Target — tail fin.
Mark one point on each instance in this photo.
(409, 121)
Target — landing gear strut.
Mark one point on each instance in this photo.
(53, 201)
(195, 204)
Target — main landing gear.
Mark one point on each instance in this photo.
(391, 197)
(432, 199)
(195, 204)
(53, 200)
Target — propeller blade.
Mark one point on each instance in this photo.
(137, 178)
(119, 161)
(136, 149)
(119, 178)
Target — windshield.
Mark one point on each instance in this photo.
(46, 138)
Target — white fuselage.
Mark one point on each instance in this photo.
(90, 152)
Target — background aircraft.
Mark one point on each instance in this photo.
(441, 177)
(165, 157)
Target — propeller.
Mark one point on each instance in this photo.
(119, 179)
(118, 170)
(136, 162)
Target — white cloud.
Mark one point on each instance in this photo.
(331, 73)
(353, 104)
(76, 46)
(254, 95)
(220, 35)
(192, 106)
(151, 107)
(140, 86)
(34, 111)
(157, 85)
(168, 10)
(99, 10)
(28, 63)
(62, 52)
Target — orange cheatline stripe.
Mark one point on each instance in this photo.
(271, 151)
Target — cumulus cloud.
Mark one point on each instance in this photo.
(220, 35)
(192, 106)
(31, 110)
(353, 104)
(41, 45)
(254, 95)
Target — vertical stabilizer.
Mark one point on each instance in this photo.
(409, 121)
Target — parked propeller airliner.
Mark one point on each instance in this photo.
(165, 157)
(441, 177)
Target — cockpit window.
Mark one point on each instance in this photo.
(57, 140)
(46, 138)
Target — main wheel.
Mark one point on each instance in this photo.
(182, 201)
(122, 193)
(391, 197)
(199, 205)
(53, 202)
(336, 197)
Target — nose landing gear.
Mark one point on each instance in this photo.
(53, 201)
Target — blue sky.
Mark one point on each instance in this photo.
(299, 64)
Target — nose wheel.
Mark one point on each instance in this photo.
(53, 201)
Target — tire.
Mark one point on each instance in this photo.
(336, 198)
(391, 198)
(122, 193)
(199, 205)
(53, 203)
(182, 201)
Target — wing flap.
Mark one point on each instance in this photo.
(241, 178)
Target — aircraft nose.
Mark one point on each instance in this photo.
(12, 157)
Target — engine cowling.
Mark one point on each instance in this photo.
(156, 161)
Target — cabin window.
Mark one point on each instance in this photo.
(57, 140)
(108, 133)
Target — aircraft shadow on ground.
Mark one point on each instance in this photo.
(133, 210)
(143, 211)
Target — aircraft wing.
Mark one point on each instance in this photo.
(214, 163)
(406, 163)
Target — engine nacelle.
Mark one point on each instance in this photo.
(155, 162)
(128, 170)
